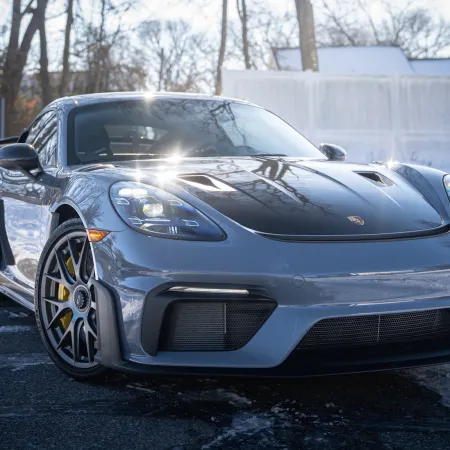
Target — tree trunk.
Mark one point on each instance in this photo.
(305, 17)
(46, 90)
(100, 49)
(15, 60)
(242, 9)
(223, 46)
(161, 68)
(63, 85)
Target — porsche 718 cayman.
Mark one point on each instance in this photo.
(178, 233)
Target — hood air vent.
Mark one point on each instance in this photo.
(205, 183)
(376, 178)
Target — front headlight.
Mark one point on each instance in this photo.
(446, 181)
(155, 212)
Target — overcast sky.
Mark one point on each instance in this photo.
(205, 13)
(202, 16)
(196, 12)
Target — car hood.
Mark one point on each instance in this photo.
(311, 199)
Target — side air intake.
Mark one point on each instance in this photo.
(212, 325)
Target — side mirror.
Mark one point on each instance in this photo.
(333, 152)
(19, 157)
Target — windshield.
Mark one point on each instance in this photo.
(161, 128)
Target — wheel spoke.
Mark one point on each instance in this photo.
(91, 330)
(89, 342)
(64, 336)
(73, 254)
(66, 278)
(90, 283)
(82, 261)
(59, 314)
(57, 303)
(76, 336)
(57, 279)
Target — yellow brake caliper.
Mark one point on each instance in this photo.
(64, 294)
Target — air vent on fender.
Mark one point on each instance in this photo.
(376, 178)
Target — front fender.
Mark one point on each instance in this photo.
(429, 182)
(89, 197)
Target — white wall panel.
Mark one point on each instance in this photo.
(403, 118)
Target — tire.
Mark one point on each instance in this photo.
(65, 303)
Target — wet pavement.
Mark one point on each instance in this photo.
(42, 408)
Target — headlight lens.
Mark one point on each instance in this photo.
(447, 184)
(155, 212)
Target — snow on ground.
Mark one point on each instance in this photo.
(19, 315)
(21, 361)
(16, 328)
(435, 378)
(243, 426)
(217, 395)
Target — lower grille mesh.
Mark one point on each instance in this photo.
(377, 329)
(212, 326)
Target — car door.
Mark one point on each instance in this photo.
(23, 200)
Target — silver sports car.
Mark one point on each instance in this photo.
(195, 234)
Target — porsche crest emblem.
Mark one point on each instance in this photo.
(356, 220)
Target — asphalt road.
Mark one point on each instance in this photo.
(42, 408)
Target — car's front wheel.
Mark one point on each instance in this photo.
(65, 302)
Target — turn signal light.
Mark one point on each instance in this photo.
(96, 235)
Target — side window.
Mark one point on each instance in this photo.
(47, 153)
(37, 127)
(44, 138)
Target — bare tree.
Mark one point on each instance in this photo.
(242, 10)
(3, 40)
(97, 44)
(267, 28)
(66, 52)
(223, 46)
(416, 31)
(305, 16)
(46, 91)
(419, 32)
(17, 52)
(172, 55)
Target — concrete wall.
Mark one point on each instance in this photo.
(405, 118)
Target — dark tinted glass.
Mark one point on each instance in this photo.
(37, 126)
(42, 135)
(161, 128)
(45, 142)
(47, 150)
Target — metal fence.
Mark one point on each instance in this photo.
(405, 118)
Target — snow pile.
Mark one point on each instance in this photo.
(435, 378)
(244, 426)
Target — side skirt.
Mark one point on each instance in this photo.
(11, 293)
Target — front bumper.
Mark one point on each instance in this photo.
(309, 282)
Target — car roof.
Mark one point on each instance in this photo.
(92, 99)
